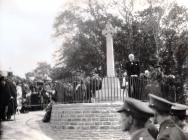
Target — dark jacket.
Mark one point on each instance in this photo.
(13, 90)
(5, 94)
(12, 103)
(152, 129)
(141, 134)
(170, 131)
(133, 68)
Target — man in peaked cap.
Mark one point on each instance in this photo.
(134, 115)
(178, 112)
(168, 130)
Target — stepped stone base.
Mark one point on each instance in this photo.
(86, 116)
(111, 90)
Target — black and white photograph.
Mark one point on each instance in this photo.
(93, 69)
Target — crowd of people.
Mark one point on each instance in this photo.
(20, 96)
(78, 88)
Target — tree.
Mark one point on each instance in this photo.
(59, 73)
(42, 71)
(157, 35)
(28, 75)
(151, 34)
(173, 27)
(84, 45)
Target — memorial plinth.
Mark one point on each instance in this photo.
(110, 91)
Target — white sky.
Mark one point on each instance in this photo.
(25, 33)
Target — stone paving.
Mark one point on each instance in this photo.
(29, 127)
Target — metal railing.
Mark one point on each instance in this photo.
(110, 89)
(96, 89)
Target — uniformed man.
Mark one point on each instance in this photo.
(133, 71)
(168, 130)
(134, 115)
(178, 112)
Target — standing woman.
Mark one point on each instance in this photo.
(19, 96)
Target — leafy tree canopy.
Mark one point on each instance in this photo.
(156, 34)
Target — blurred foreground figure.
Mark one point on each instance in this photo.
(168, 130)
(179, 115)
(134, 115)
(1, 130)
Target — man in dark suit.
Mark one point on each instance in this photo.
(135, 114)
(168, 130)
(13, 100)
(5, 95)
(133, 72)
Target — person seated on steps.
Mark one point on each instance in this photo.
(48, 110)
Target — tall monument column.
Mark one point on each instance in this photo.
(108, 33)
(110, 90)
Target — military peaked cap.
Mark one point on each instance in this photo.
(160, 104)
(179, 110)
(138, 109)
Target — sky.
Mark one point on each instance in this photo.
(26, 33)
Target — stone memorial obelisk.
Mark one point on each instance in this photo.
(108, 33)
(111, 90)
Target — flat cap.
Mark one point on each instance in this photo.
(136, 108)
(159, 103)
(179, 110)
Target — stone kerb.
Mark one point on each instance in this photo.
(86, 116)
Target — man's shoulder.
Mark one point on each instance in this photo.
(168, 124)
(128, 62)
(134, 62)
(142, 134)
(171, 131)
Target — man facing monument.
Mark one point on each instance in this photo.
(133, 71)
